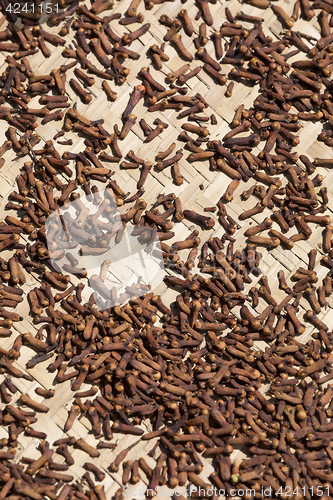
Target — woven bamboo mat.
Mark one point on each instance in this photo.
(201, 188)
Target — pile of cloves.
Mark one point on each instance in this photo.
(190, 370)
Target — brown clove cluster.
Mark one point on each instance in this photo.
(190, 370)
